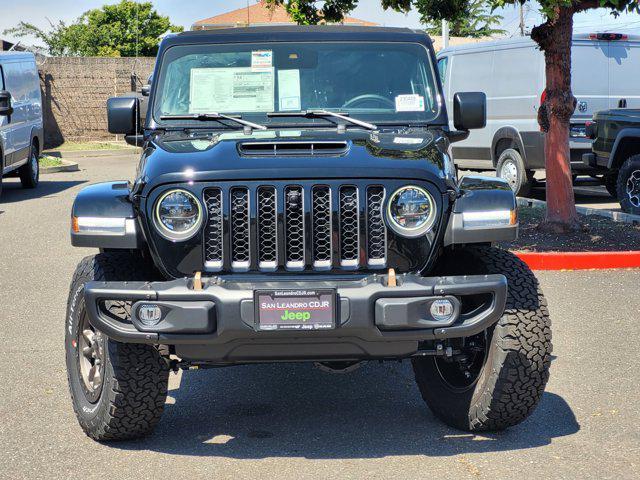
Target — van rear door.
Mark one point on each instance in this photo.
(589, 78)
(624, 66)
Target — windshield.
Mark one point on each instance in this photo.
(378, 82)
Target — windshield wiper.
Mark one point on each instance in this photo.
(203, 117)
(324, 113)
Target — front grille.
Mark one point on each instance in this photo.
(295, 227)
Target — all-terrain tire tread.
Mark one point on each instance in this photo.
(522, 356)
(136, 394)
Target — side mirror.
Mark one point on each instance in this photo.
(146, 90)
(123, 115)
(469, 110)
(5, 104)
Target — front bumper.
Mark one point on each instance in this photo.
(373, 320)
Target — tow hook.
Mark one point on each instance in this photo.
(197, 281)
(392, 280)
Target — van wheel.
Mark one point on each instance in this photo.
(628, 187)
(30, 173)
(511, 168)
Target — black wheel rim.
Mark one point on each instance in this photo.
(91, 359)
(461, 372)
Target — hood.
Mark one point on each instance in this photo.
(196, 155)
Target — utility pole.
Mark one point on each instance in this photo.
(521, 20)
(445, 34)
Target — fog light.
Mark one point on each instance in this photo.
(149, 314)
(442, 310)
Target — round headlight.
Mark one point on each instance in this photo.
(411, 211)
(178, 215)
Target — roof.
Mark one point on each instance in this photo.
(521, 41)
(13, 55)
(259, 14)
(299, 33)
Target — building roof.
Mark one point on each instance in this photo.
(258, 14)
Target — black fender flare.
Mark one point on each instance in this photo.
(624, 133)
(508, 133)
(104, 217)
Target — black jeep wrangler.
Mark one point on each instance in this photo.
(616, 154)
(296, 201)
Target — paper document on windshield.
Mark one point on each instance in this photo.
(409, 103)
(231, 90)
(289, 90)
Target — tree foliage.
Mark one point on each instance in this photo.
(125, 29)
(479, 22)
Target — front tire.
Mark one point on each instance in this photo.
(504, 381)
(628, 186)
(118, 390)
(30, 173)
(511, 168)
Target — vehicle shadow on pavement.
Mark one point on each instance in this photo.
(13, 192)
(295, 410)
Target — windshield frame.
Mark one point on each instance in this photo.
(437, 117)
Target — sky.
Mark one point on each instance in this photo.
(186, 12)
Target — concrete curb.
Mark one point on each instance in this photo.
(620, 217)
(580, 260)
(92, 153)
(65, 167)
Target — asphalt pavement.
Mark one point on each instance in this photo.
(294, 421)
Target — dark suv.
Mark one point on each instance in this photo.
(296, 201)
(616, 154)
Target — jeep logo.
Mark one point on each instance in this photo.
(582, 106)
(287, 315)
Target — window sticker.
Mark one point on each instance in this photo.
(261, 60)
(289, 90)
(231, 90)
(410, 103)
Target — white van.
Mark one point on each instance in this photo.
(21, 124)
(511, 72)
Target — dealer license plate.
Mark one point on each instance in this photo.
(295, 309)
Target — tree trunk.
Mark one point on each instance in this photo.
(554, 38)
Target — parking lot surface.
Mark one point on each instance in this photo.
(294, 421)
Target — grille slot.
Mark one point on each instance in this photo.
(267, 228)
(349, 227)
(294, 227)
(240, 251)
(213, 231)
(376, 229)
(322, 228)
